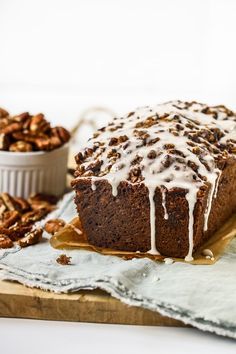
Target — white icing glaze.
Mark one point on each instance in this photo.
(212, 192)
(163, 191)
(93, 185)
(217, 184)
(191, 198)
(153, 249)
(186, 169)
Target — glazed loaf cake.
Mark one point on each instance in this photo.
(160, 179)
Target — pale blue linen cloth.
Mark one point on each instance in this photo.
(202, 296)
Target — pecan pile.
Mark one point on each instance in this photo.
(18, 217)
(26, 133)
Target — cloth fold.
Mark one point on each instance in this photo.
(199, 295)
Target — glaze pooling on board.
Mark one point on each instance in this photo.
(172, 145)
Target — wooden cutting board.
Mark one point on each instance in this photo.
(19, 301)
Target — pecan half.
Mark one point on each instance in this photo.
(5, 241)
(3, 207)
(41, 197)
(20, 146)
(11, 128)
(21, 118)
(54, 225)
(31, 238)
(3, 113)
(22, 204)
(8, 201)
(4, 141)
(16, 231)
(10, 218)
(33, 216)
(39, 124)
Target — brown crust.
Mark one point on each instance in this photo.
(123, 222)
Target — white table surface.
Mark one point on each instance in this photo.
(49, 337)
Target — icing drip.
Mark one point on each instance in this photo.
(153, 249)
(191, 198)
(93, 185)
(163, 192)
(217, 184)
(168, 146)
(212, 194)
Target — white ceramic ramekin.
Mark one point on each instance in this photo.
(24, 173)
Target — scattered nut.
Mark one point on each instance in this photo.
(18, 216)
(63, 259)
(54, 225)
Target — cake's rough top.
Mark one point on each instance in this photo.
(172, 145)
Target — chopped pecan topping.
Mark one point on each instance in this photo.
(113, 141)
(130, 114)
(178, 140)
(167, 161)
(152, 154)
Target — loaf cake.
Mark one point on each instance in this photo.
(160, 179)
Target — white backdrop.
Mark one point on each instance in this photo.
(61, 56)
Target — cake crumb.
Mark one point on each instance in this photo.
(207, 253)
(63, 259)
(168, 260)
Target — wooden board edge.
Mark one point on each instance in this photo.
(18, 301)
